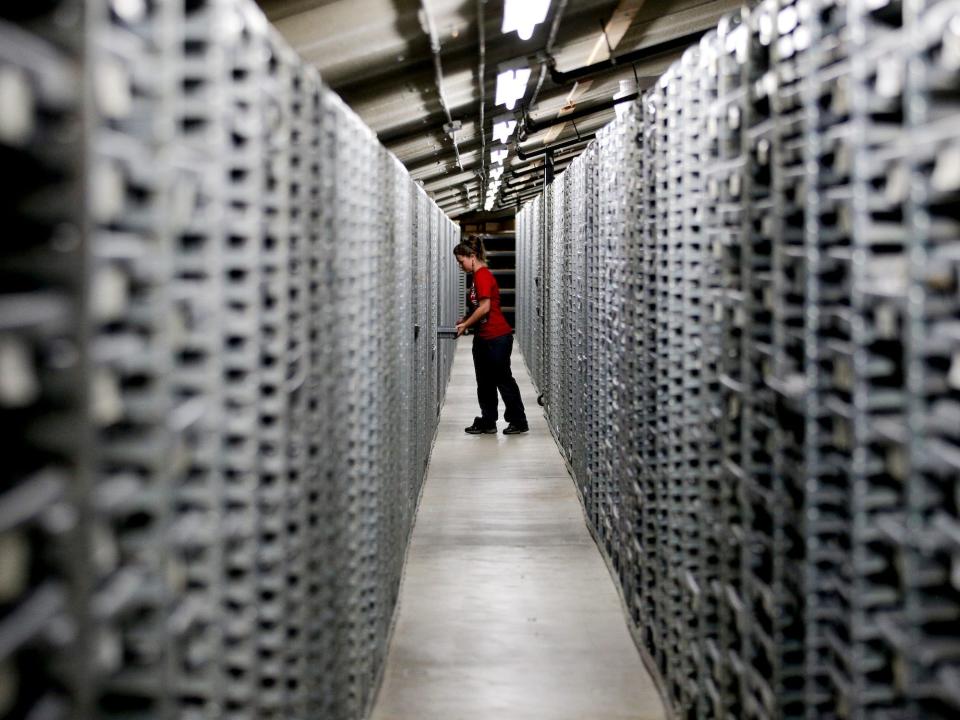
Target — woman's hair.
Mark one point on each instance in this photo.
(472, 245)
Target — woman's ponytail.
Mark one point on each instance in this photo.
(471, 245)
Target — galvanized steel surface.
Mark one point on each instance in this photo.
(741, 307)
(216, 411)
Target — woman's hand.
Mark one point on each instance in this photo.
(461, 328)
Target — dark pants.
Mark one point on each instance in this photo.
(491, 360)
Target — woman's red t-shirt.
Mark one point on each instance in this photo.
(485, 286)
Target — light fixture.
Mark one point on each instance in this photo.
(523, 16)
(496, 172)
(503, 127)
(627, 87)
(511, 85)
(498, 154)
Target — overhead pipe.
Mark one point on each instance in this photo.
(501, 46)
(551, 39)
(508, 200)
(559, 166)
(428, 162)
(537, 187)
(648, 53)
(450, 192)
(438, 69)
(523, 182)
(534, 126)
(558, 153)
(442, 196)
(536, 179)
(455, 202)
(452, 200)
(531, 192)
(548, 48)
(512, 186)
(526, 171)
(481, 72)
(447, 182)
(535, 174)
(418, 130)
(553, 148)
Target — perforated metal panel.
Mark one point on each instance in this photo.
(217, 408)
(751, 365)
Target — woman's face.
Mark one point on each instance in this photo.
(465, 262)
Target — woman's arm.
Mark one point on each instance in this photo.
(482, 309)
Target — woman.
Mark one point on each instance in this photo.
(492, 344)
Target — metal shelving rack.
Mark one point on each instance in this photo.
(785, 376)
(199, 150)
(629, 342)
(932, 365)
(728, 195)
(303, 180)
(819, 508)
(761, 496)
(649, 380)
(212, 488)
(273, 398)
(711, 666)
(49, 474)
(774, 338)
(693, 259)
(137, 423)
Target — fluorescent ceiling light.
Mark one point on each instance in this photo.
(503, 127)
(511, 86)
(498, 155)
(496, 172)
(523, 16)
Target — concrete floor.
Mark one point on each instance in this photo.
(507, 610)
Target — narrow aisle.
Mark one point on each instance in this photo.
(507, 611)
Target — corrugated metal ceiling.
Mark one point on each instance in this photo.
(377, 55)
